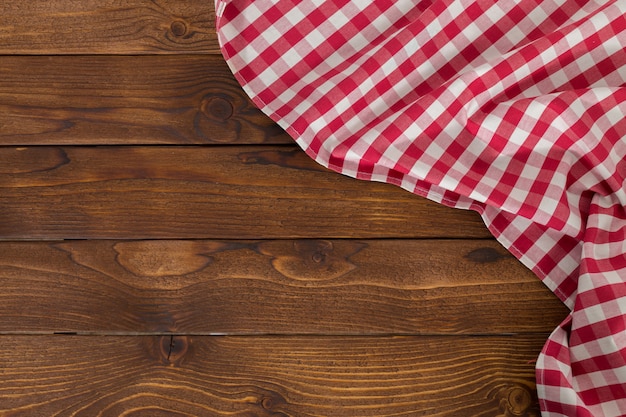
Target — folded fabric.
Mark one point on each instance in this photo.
(513, 108)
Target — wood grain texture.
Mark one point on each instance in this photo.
(271, 287)
(104, 100)
(204, 192)
(107, 27)
(334, 319)
(268, 377)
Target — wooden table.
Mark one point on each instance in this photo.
(167, 251)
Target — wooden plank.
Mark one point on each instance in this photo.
(271, 287)
(95, 100)
(204, 192)
(107, 27)
(254, 376)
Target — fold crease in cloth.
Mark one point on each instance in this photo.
(513, 108)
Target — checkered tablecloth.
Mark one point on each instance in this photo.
(513, 108)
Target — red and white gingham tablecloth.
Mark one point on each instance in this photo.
(513, 108)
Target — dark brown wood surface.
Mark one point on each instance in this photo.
(165, 250)
(264, 287)
(118, 27)
(268, 376)
(104, 100)
(191, 192)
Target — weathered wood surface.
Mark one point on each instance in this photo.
(200, 192)
(268, 376)
(105, 100)
(269, 287)
(107, 27)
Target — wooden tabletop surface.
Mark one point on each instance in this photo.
(165, 249)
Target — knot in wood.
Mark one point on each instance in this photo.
(270, 402)
(217, 108)
(318, 257)
(267, 403)
(516, 401)
(484, 255)
(313, 260)
(174, 349)
(178, 28)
